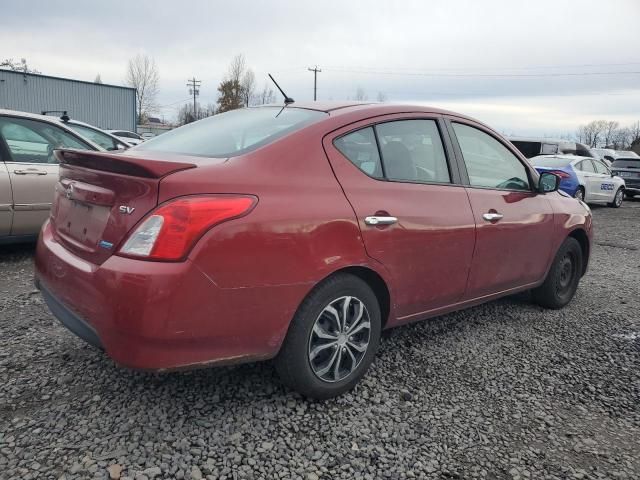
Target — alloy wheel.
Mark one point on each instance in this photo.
(339, 339)
(618, 199)
(579, 194)
(566, 274)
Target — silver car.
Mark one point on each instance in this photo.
(29, 170)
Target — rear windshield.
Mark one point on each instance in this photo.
(232, 133)
(528, 149)
(550, 162)
(626, 163)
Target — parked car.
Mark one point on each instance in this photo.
(29, 170)
(606, 154)
(587, 179)
(532, 147)
(298, 233)
(147, 135)
(629, 169)
(130, 137)
(104, 139)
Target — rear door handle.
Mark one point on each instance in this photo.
(30, 171)
(380, 220)
(492, 216)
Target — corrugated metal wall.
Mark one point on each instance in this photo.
(105, 106)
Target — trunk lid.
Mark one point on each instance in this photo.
(100, 197)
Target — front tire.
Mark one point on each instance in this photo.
(564, 275)
(617, 200)
(332, 338)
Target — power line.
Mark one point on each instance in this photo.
(315, 71)
(526, 67)
(194, 88)
(481, 75)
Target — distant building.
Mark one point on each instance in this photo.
(102, 105)
(155, 126)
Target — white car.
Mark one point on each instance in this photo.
(130, 137)
(585, 178)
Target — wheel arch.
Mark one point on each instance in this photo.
(582, 238)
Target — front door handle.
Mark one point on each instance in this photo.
(30, 171)
(380, 220)
(492, 216)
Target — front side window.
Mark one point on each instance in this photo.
(360, 149)
(412, 151)
(489, 163)
(587, 166)
(32, 141)
(232, 133)
(600, 168)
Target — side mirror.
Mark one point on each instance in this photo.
(549, 182)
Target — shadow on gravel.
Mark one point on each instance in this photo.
(17, 251)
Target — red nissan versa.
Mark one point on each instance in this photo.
(299, 233)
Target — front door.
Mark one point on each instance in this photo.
(606, 187)
(32, 168)
(6, 201)
(514, 224)
(414, 215)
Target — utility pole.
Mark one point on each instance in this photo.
(194, 89)
(315, 71)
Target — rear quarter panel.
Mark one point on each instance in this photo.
(302, 229)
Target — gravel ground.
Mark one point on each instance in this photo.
(502, 391)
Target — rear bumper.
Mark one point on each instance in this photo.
(69, 319)
(162, 316)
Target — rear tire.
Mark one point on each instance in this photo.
(332, 338)
(564, 275)
(617, 200)
(579, 194)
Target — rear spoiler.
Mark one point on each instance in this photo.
(118, 163)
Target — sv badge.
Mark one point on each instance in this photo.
(125, 210)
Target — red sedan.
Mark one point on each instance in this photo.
(299, 233)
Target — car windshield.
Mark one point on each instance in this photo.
(626, 163)
(550, 162)
(232, 133)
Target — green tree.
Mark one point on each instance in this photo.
(231, 96)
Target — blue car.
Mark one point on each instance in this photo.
(563, 166)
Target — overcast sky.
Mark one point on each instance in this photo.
(537, 67)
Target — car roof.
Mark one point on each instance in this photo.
(539, 139)
(338, 108)
(49, 119)
(573, 158)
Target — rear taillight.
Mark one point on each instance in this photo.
(169, 232)
(560, 173)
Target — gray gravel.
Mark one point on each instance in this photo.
(505, 390)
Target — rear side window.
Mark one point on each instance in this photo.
(232, 133)
(361, 150)
(412, 151)
(489, 163)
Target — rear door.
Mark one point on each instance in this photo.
(414, 215)
(6, 202)
(514, 224)
(591, 181)
(32, 168)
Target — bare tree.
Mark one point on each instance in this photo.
(360, 95)
(265, 96)
(609, 131)
(248, 86)
(142, 74)
(382, 97)
(20, 66)
(591, 133)
(237, 88)
(634, 134)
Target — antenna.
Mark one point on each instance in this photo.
(287, 100)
